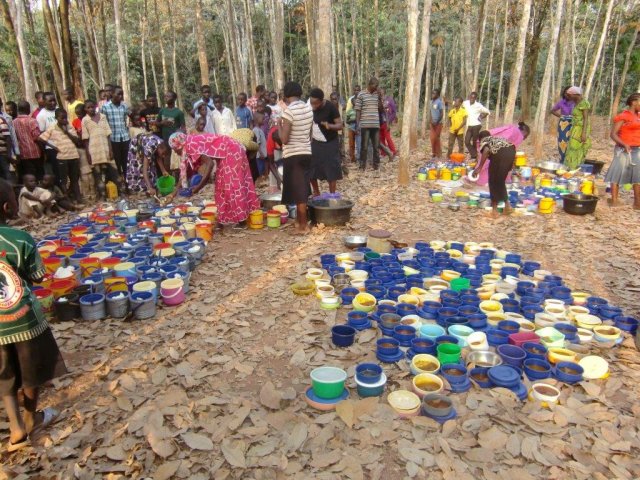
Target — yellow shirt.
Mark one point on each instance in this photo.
(457, 118)
(71, 110)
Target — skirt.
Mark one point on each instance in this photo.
(30, 364)
(500, 166)
(564, 129)
(325, 161)
(295, 179)
(625, 168)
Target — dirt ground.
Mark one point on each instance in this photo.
(213, 388)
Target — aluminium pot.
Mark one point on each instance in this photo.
(579, 204)
(331, 212)
(270, 200)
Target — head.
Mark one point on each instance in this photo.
(102, 95)
(217, 102)
(435, 94)
(12, 109)
(373, 84)
(48, 180)
(241, 99)
(524, 129)
(291, 91)
(473, 96)
(202, 110)
(79, 110)
(316, 98)
(109, 89)
(39, 98)
(356, 89)
(50, 101)
(177, 141)
(29, 181)
(24, 108)
(563, 94)
(135, 118)
(68, 95)
(201, 122)
(259, 118)
(8, 203)
(170, 98)
(457, 102)
(205, 92)
(334, 99)
(90, 107)
(118, 95)
(484, 134)
(260, 91)
(633, 102)
(260, 105)
(273, 98)
(152, 101)
(61, 117)
(574, 94)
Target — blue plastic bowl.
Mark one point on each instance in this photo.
(452, 302)
(627, 324)
(369, 373)
(456, 320)
(367, 391)
(432, 331)
(446, 339)
(497, 337)
(509, 326)
(530, 311)
(569, 331)
(467, 310)
(357, 318)
(387, 350)
(536, 368)
(572, 376)
(470, 300)
(535, 350)
(382, 309)
(431, 307)
(405, 309)
(477, 320)
(404, 333)
(609, 312)
(511, 354)
(343, 335)
(423, 345)
(479, 376)
(454, 373)
(510, 305)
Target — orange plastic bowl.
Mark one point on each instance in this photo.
(457, 157)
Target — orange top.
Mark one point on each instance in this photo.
(629, 132)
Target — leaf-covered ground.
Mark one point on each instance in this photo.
(212, 388)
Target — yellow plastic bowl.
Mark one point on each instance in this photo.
(588, 321)
(410, 299)
(607, 332)
(449, 275)
(491, 306)
(557, 354)
(424, 363)
(364, 302)
(426, 383)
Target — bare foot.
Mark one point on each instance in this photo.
(298, 232)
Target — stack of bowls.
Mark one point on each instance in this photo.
(370, 380)
(327, 387)
(457, 376)
(438, 407)
(405, 403)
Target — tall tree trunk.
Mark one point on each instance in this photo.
(103, 48)
(86, 20)
(613, 66)
(543, 99)
(376, 53)
(323, 50)
(562, 47)
(143, 55)
(479, 43)
(276, 14)
(510, 106)
(309, 20)
(410, 69)
(504, 53)
(83, 78)
(419, 73)
(69, 56)
(202, 46)
(11, 40)
(487, 98)
(156, 86)
(163, 57)
(625, 70)
(16, 8)
(174, 58)
(587, 49)
(540, 10)
(122, 58)
(54, 47)
(596, 59)
(248, 22)
(467, 35)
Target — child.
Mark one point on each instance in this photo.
(244, 118)
(29, 354)
(60, 202)
(207, 115)
(199, 127)
(34, 201)
(274, 160)
(86, 183)
(65, 141)
(457, 122)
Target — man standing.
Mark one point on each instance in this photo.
(149, 115)
(28, 132)
(15, 152)
(117, 112)
(170, 118)
(457, 117)
(368, 107)
(350, 117)
(244, 117)
(476, 112)
(437, 114)
(223, 121)
(45, 119)
(71, 103)
(205, 92)
(252, 103)
(39, 96)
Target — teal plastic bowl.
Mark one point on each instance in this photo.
(328, 382)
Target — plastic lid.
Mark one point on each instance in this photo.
(379, 234)
(503, 375)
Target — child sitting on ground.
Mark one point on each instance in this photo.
(34, 201)
(61, 202)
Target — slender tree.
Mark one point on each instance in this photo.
(410, 69)
(514, 82)
(596, 59)
(15, 9)
(202, 45)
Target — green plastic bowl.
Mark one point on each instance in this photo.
(458, 284)
(448, 353)
(165, 184)
(328, 382)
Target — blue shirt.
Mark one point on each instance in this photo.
(117, 118)
(437, 110)
(243, 117)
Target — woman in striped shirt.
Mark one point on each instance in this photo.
(295, 132)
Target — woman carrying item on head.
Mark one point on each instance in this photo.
(563, 110)
(502, 154)
(625, 167)
(580, 136)
(295, 133)
(325, 147)
(234, 194)
(29, 354)
(514, 134)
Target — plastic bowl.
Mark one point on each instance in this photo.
(424, 363)
(479, 376)
(368, 373)
(569, 372)
(364, 302)
(423, 345)
(371, 390)
(342, 335)
(390, 320)
(387, 346)
(431, 331)
(545, 393)
(328, 382)
(535, 350)
(454, 373)
(606, 333)
(511, 354)
(426, 384)
(537, 369)
(437, 405)
(404, 333)
(558, 355)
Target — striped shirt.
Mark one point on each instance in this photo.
(117, 118)
(300, 115)
(367, 105)
(56, 137)
(5, 137)
(28, 132)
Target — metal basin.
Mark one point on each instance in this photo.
(331, 212)
(484, 359)
(550, 167)
(355, 241)
(270, 200)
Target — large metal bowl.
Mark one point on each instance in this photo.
(331, 212)
(549, 167)
(270, 200)
(484, 359)
(355, 241)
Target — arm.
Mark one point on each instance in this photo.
(110, 147)
(30, 196)
(76, 141)
(208, 161)
(336, 125)
(555, 111)
(145, 175)
(615, 130)
(284, 130)
(585, 125)
(484, 154)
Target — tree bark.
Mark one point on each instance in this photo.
(613, 66)
(588, 47)
(163, 57)
(323, 51)
(504, 53)
(54, 47)
(625, 70)
(410, 69)
(596, 60)
(143, 57)
(174, 58)
(540, 11)
(69, 56)
(487, 98)
(202, 46)
(479, 43)
(543, 100)
(122, 58)
(419, 72)
(16, 8)
(86, 19)
(255, 74)
(276, 13)
(468, 29)
(562, 47)
(517, 66)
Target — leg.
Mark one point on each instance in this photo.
(352, 144)
(390, 144)
(31, 419)
(437, 144)
(364, 144)
(615, 189)
(63, 170)
(16, 425)
(332, 186)
(375, 140)
(636, 196)
(301, 217)
(4, 168)
(460, 139)
(315, 187)
(101, 191)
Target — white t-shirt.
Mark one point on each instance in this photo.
(223, 122)
(473, 112)
(45, 119)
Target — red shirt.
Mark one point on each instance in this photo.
(35, 113)
(77, 124)
(629, 132)
(27, 132)
(271, 144)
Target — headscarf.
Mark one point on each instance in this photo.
(574, 91)
(177, 140)
(494, 144)
(245, 137)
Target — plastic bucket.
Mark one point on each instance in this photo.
(189, 229)
(125, 268)
(92, 307)
(96, 282)
(174, 237)
(448, 353)
(69, 309)
(89, 265)
(143, 305)
(172, 291)
(45, 297)
(204, 230)
(62, 287)
(184, 276)
(115, 284)
(165, 184)
(110, 262)
(52, 263)
(117, 304)
(273, 219)
(256, 219)
(146, 286)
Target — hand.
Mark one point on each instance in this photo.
(89, 158)
(583, 137)
(152, 192)
(325, 125)
(627, 148)
(111, 153)
(46, 203)
(476, 171)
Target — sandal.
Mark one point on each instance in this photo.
(49, 417)
(14, 447)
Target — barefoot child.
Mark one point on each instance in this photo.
(29, 355)
(34, 201)
(61, 202)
